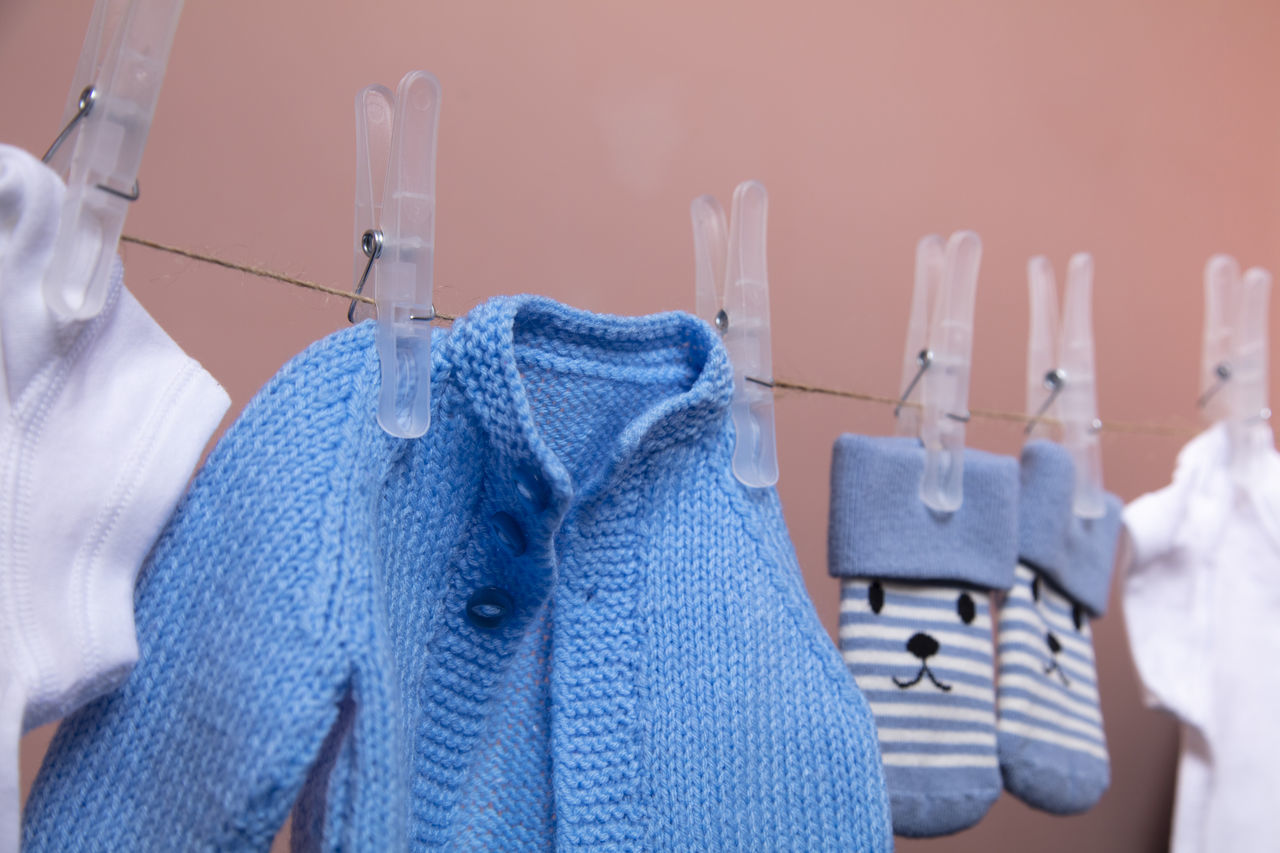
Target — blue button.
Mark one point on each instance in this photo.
(508, 531)
(532, 489)
(489, 607)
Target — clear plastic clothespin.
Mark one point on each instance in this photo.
(733, 295)
(395, 240)
(1061, 379)
(936, 360)
(1233, 363)
(112, 102)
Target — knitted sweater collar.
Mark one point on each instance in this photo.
(485, 349)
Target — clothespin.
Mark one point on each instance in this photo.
(733, 295)
(112, 102)
(1233, 362)
(937, 357)
(1061, 380)
(395, 240)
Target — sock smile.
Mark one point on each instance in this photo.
(924, 670)
(1055, 646)
(1052, 666)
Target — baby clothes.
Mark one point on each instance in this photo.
(1053, 753)
(1201, 601)
(101, 424)
(557, 619)
(915, 621)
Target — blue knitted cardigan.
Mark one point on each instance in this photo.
(557, 620)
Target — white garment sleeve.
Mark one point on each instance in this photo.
(101, 424)
(1164, 601)
(10, 731)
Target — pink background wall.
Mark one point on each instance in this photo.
(574, 135)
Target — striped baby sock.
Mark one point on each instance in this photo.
(1053, 753)
(915, 622)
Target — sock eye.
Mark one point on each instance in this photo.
(875, 597)
(1077, 616)
(1035, 588)
(964, 607)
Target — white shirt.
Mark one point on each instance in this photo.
(101, 424)
(1202, 607)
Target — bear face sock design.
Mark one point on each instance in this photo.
(922, 656)
(1053, 752)
(915, 622)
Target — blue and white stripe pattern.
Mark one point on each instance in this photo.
(922, 656)
(1053, 752)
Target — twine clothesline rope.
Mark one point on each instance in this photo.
(1131, 428)
(260, 272)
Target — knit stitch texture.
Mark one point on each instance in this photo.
(557, 620)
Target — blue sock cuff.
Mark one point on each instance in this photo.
(880, 528)
(1077, 554)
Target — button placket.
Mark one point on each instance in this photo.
(491, 606)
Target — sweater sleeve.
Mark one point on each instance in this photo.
(243, 663)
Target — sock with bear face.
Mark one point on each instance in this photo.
(915, 621)
(1053, 753)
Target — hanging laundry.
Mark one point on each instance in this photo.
(915, 621)
(557, 619)
(1200, 602)
(102, 422)
(921, 531)
(1053, 752)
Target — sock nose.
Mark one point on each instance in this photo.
(922, 645)
(1054, 645)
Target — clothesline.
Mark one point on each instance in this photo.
(1131, 428)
